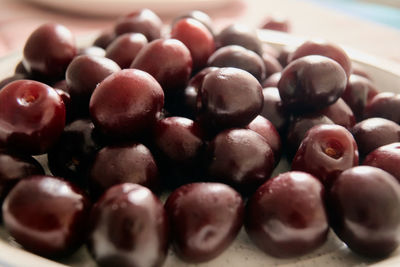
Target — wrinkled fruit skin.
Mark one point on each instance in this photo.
(285, 226)
(129, 227)
(205, 218)
(364, 207)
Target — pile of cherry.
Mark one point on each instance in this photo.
(143, 112)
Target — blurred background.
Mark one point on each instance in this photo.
(367, 25)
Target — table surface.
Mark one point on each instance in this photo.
(312, 18)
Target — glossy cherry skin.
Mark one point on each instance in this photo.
(32, 117)
(92, 51)
(11, 79)
(130, 163)
(241, 158)
(104, 39)
(276, 23)
(168, 61)
(298, 128)
(384, 105)
(199, 16)
(272, 65)
(127, 103)
(311, 83)
(49, 50)
(179, 143)
(197, 38)
(323, 48)
(364, 207)
(129, 227)
(125, 48)
(142, 21)
(237, 34)
(340, 113)
(266, 129)
(205, 218)
(375, 132)
(72, 155)
(358, 93)
(83, 75)
(238, 57)
(273, 109)
(285, 226)
(221, 98)
(46, 215)
(13, 168)
(386, 158)
(191, 91)
(325, 152)
(272, 80)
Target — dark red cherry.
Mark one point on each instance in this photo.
(92, 51)
(191, 91)
(142, 21)
(238, 34)
(266, 129)
(205, 218)
(364, 207)
(273, 109)
(375, 132)
(325, 152)
(311, 83)
(221, 98)
(298, 128)
(276, 23)
(197, 38)
(340, 113)
(72, 155)
(384, 105)
(11, 79)
(20, 69)
(272, 80)
(199, 16)
(241, 158)
(83, 75)
(323, 48)
(272, 65)
(358, 93)
(238, 57)
(386, 158)
(127, 103)
(130, 163)
(286, 216)
(14, 168)
(49, 50)
(104, 39)
(125, 48)
(179, 143)
(129, 227)
(46, 215)
(32, 117)
(168, 61)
